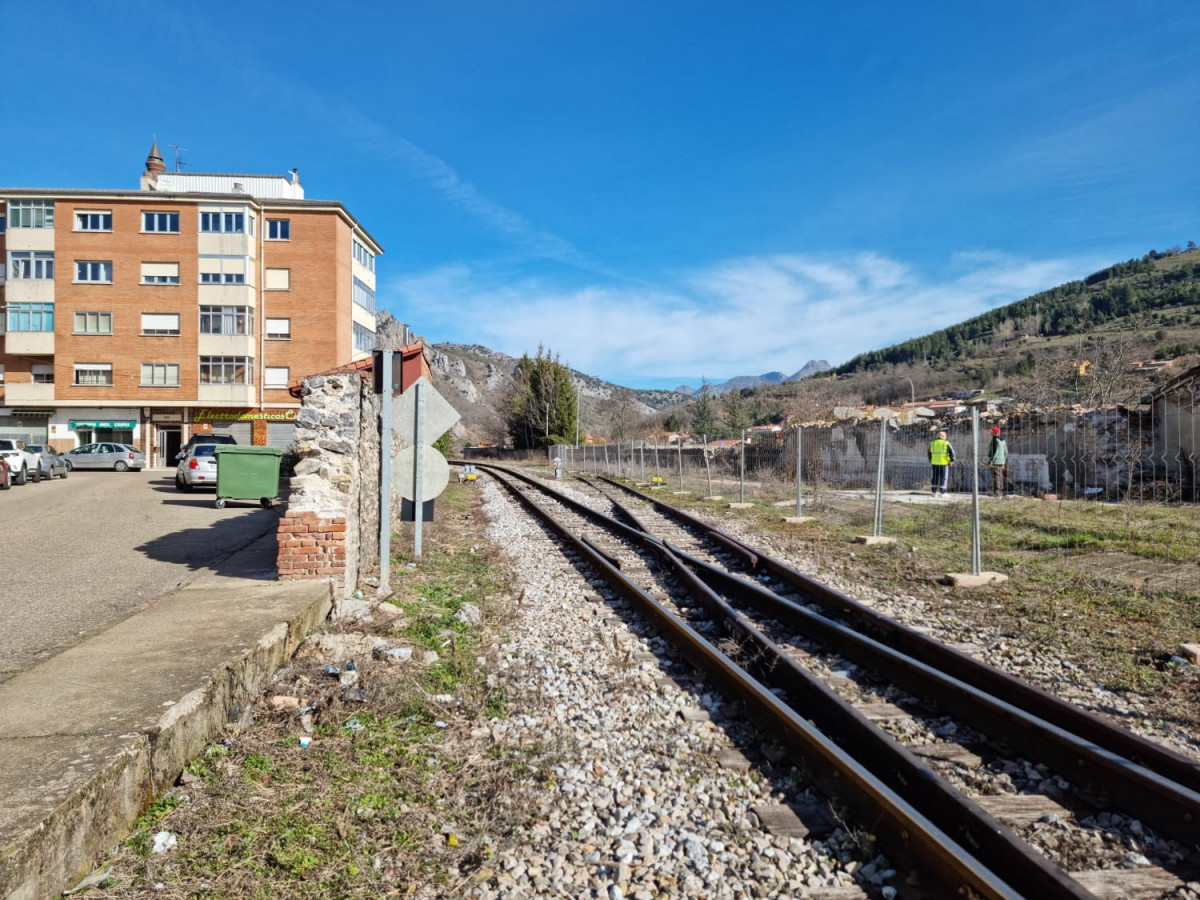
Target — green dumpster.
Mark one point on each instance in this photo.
(247, 473)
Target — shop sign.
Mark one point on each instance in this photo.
(168, 417)
(245, 415)
(94, 423)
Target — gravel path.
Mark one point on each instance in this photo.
(635, 803)
(636, 795)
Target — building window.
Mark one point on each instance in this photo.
(222, 269)
(93, 323)
(160, 374)
(364, 256)
(31, 213)
(279, 229)
(160, 273)
(226, 320)
(30, 317)
(42, 373)
(279, 329)
(3, 224)
(93, 221)
(364, 338)
(226, 370)
(363, 295)
(222, 223)
(31, 265)
(278, 279)
(160, 324)
(160, 222)
(94, 374)
(93, 272)
(277, 376)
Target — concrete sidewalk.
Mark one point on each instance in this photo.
(89, 737)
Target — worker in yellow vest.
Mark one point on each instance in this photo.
(941, 457)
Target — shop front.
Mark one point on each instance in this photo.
(71, 429)
(257, 427)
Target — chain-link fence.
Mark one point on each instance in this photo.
(1112, 455)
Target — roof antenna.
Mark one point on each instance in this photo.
(178, 150)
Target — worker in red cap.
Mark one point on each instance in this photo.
(997, 460)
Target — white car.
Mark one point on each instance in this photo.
(20, 461)
(197, 468)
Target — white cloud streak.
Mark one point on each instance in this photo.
(743, 316)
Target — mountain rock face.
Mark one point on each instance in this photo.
(738, 382)
(477, 381)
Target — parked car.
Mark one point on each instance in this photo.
(5, 475)
(204, 439)
(198, 468)
(23, 463)
(105, 455)
(50, 461)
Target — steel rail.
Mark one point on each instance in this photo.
(992, 842)
(903, 831)
(1139, 750)
(1112, 779)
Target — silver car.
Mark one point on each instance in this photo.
(105, 455)
(51, 463)
(197, 468)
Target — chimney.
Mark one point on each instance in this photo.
(154, 167)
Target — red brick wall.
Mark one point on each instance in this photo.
(311, 546)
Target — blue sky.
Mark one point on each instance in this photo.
(655, 191)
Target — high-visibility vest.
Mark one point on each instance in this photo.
(939, 452)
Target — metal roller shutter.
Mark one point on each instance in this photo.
(242, 432)
(281, 435)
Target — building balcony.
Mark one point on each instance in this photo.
(226, 395)
(226, 345)
(29, 343)
(18, 394)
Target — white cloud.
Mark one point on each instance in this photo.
(742, 316)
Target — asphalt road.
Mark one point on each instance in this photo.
(80, 554)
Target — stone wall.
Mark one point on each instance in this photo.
(331, 526)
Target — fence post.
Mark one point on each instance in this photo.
(742, 473)
(879, 476)
(976, 555)
(656, 475)
(607, 471)
(642, 450)
(680, 446)
(707, 464)
(799, 467)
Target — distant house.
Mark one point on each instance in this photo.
(1176, 410)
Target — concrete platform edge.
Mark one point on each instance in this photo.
(111, 789)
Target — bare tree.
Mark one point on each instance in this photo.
(620, 414)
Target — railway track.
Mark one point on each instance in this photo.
(887, 720)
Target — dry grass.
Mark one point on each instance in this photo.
(395, 795)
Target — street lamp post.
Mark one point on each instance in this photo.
(912, 387)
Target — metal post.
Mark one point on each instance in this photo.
(680, 446)
(642, 449)
(418, 468)
(707, 464)
(976, 555)
(799, 472)
(742, 473)
(385, 476)
(656, 475)
(606, 469)
(618, 459)
(879, 477)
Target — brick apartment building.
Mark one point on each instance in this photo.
(185, 306)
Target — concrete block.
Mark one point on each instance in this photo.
(872, 540)
(1190, 652)
(741, 506)
(967, 580)
(797, 520)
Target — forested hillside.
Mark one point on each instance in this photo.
(1156, 283)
